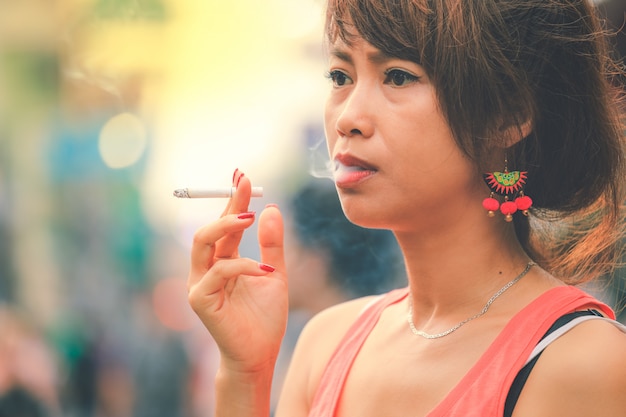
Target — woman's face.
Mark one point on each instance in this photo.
(395, 159)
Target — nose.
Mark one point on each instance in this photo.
(356, 113)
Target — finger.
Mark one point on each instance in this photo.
(241, 198)
(235, 180)
(227, 248)
(270, 235)
(217, 278)
(205, 238)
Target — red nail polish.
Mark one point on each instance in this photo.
(235, 175)
(246, 215)
(241, 175)
(266, 267)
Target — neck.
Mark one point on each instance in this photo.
(454, 271)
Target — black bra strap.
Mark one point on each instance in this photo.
(524, 373)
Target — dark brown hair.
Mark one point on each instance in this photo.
(499, 63)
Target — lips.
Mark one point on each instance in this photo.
(350, 171)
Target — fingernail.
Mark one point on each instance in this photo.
(241, 175)
(271, 205)
(246, 215)
(234, 175)
(266, 267)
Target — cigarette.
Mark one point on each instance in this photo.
(225, 192)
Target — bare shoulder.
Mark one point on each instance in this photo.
(582, 373)
(338, 317)
(316, 345)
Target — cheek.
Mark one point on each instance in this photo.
(329, 118)
(432, 143)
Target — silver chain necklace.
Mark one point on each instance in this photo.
(467, 320)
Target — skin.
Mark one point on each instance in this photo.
(383, 112)
(240, 303)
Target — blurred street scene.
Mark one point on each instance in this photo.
(106, 107)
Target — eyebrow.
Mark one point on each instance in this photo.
(376, 57)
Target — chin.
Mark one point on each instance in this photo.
(365, 215)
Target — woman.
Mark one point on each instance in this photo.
(426, 97)
(330, 260)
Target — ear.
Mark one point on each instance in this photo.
(515, 132)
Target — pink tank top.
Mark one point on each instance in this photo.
(483, 390)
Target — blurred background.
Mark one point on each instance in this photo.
(107, 106)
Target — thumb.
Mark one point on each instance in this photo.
(270, 234)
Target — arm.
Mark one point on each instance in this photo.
(243, 393)
(581, 374)
(243, 303)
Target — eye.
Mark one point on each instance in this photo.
(399, 78)
(338, 78)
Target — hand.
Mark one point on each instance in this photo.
(243, 303)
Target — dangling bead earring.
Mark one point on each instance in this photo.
(491, 205)
(509, 185)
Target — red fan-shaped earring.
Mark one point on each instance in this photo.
(510, 185)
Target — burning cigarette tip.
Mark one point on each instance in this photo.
(181, 193)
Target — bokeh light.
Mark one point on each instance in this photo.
(122, 141)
